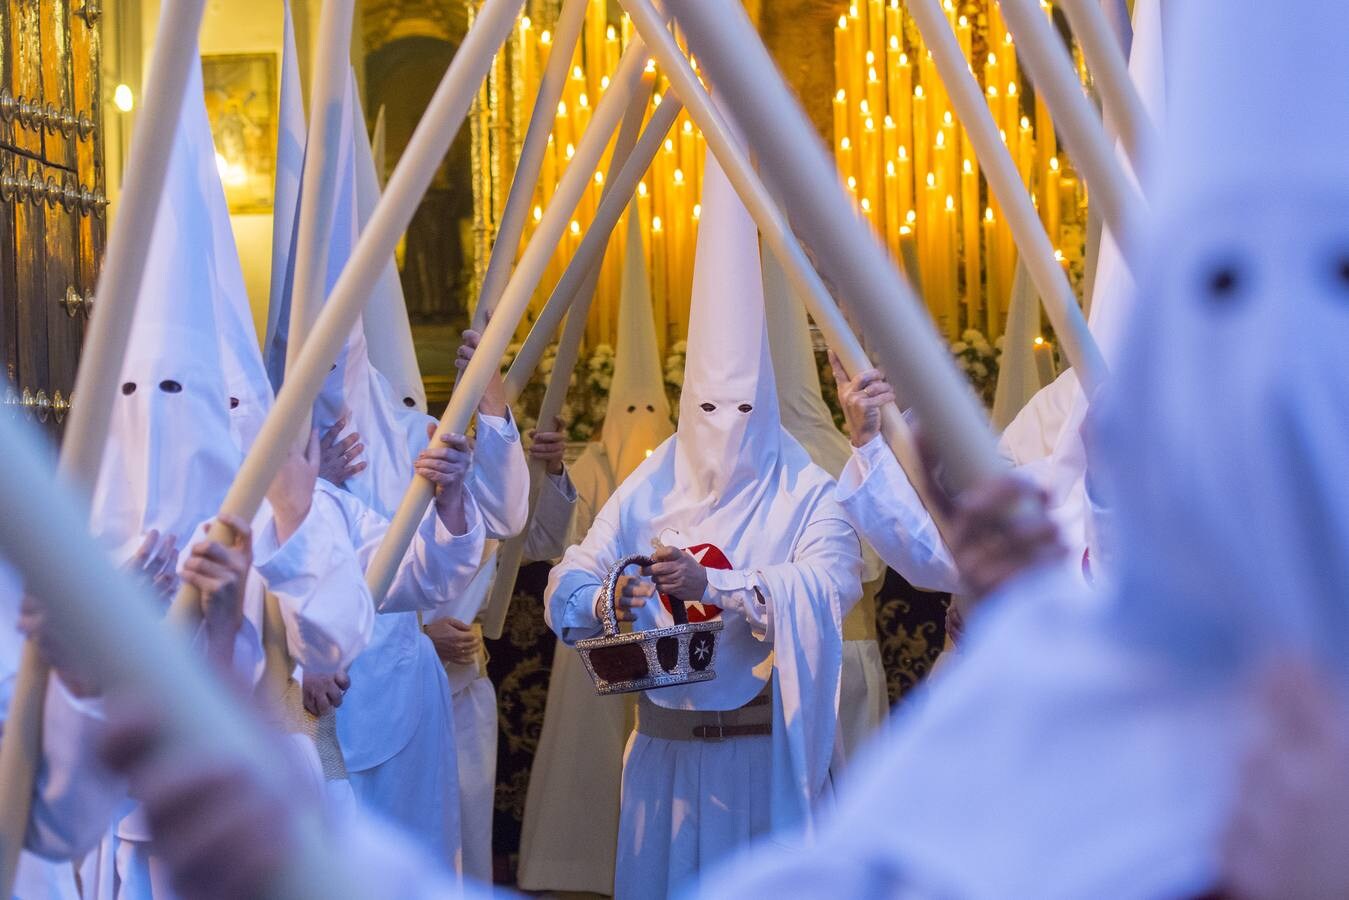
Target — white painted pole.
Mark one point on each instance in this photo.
(514, 301)
(121, 638)
(798, 167)
(1122, 104)
(1005, 182)
(566, 33)
(1051, 69)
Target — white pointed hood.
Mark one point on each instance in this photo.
(291, 139)
(1222, 448)
(729, 429)
(738, 492)
(172, 452)
(637, 419)
(805, 415)
(1232, 388)
(388, 332)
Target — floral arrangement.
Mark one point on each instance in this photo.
(980, 361)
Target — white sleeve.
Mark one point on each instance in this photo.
(826, 561)
(547, 537)
(883, 506)
(437, 564)
(319, 585)
(574, 583)
(75, 798)
(500, 477)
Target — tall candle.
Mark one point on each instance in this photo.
(842, 47)
(969, 222)
(892, 207)
(876, 26)
(875, 92)
(1053, 204)
(840, 116)
(1026, 151)
(903, 112)
(904, 173)
(870, 158)
(950, 266)
(846, 166)
(993, 286)
(921, 143)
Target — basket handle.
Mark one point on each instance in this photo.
(681, 615)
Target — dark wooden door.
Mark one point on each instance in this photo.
(52, 199)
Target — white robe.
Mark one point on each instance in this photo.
(472, 692)
(687, 804)
(397, 725)
(74, 797)
(328, 619)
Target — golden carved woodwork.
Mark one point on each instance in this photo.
(52, 201)
(385, 21)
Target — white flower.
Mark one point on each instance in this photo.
(959, 347)
(963, 363)
(979, 370)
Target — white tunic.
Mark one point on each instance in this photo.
(687, 804)
(472, 692)
(74, 798)
(397, 723)
(328, 618)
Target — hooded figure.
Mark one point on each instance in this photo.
(174, 447)
(579, 763)
(381, 725)
(740, 496)
(864, 701)
(1080, 751)
(395, 725)
(1043, 440)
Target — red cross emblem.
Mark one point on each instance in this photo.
(708, 556)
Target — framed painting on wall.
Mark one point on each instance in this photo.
(241, 101)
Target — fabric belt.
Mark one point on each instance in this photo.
(754, 719)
